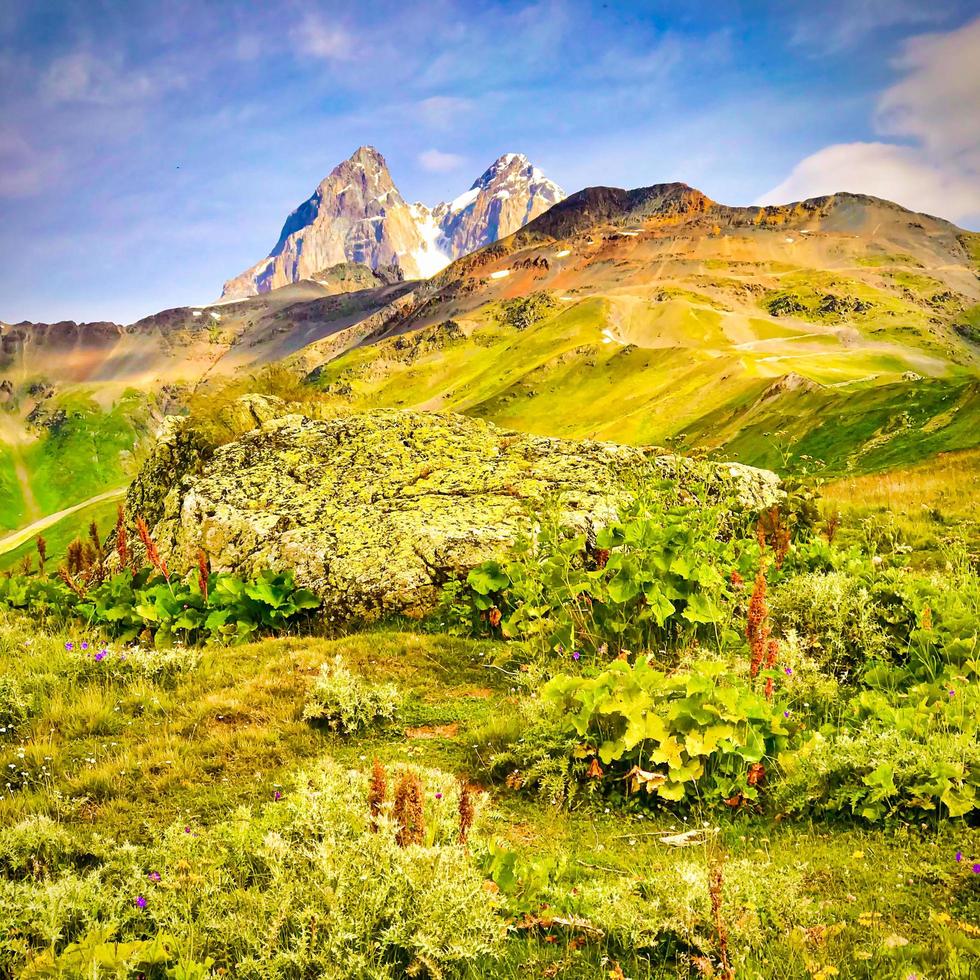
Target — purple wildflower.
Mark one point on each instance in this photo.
(277, 796)
(788, 671)
(100, 656)
(976, 869)
(187, 830)
(154, 876)
(84, 644)
(140, 902)
(438, 796)
(69, 646)
(786, 714)
(576, 654)
(959, 856)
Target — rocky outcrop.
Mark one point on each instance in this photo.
(375, 511)
(357, 215)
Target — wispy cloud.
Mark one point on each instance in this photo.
(84, 77)
(437, 162)
(834, 26)
(932, 108)
(442, 111)
(318, 38)
(24, 170)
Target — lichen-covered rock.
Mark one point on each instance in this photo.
(374, 511)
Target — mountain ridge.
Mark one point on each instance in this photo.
(357, 214)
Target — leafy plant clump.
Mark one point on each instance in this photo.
(164, 608)
(347, 703)
(698, 734)
(659, 576)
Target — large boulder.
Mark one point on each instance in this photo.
(375, 511)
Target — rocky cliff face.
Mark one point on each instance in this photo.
(357, 215)
(374, 511)
(506, 197)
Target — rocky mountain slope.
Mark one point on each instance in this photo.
(845, 329)
(358, 215)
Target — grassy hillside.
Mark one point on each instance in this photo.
(180, 798)
(77, 449)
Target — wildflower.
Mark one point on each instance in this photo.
(438, 796)
(788, 671)
(100, 656)
(276, 796)
(959, 856)
(466, 811)
(140, 902)
(154, 876)
(152, 555)
(976, 869)
(952, 693)
(576, 654)
(187, 830)
(69, 646)
(377, 793)
(757, 629)
(408, 810)
(84, 644)
(786, 714)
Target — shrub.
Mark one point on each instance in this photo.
(298, 887)
(127, 604)
(15, 705)
(875, 771)
(692, 734)
(833, 616)
(347, 703)
(659, 576)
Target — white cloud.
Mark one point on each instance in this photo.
(443, 111)
(937, 100)
(83, 77)
(437, 162)
(331, 42)
(934, 108)
(897, 173)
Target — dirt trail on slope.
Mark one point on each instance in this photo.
(17, 538)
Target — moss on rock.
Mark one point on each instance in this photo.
(375, 511)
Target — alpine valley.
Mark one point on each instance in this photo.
(839, 334)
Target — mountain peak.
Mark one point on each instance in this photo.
(357, 215)
(368, 157)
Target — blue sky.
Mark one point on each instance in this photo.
(149, 151)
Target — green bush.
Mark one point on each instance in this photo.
(697, 734)
(660, 576)
(299, 887)
(346, 702)
(127, 604)
(833, 616)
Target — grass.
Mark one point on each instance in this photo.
(928, 502)
(60, 534)
(131, 757)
